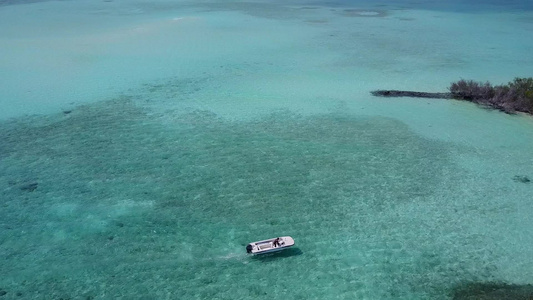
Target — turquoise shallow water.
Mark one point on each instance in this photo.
(146, 144)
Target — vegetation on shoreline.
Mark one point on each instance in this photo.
(516, 96)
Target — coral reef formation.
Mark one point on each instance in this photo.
(493, 291)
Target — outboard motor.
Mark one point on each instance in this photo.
(249, 248)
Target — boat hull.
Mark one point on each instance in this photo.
(270, 245)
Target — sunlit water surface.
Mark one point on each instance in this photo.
(144, 144)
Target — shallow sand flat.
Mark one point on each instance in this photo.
(144, 144)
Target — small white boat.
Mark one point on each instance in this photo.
(270, 245)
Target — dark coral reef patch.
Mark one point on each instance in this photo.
(492, 291)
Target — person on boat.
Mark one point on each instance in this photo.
(276, 243)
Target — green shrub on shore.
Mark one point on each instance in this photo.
(515, 96)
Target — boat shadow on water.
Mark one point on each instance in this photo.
(290, 252)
